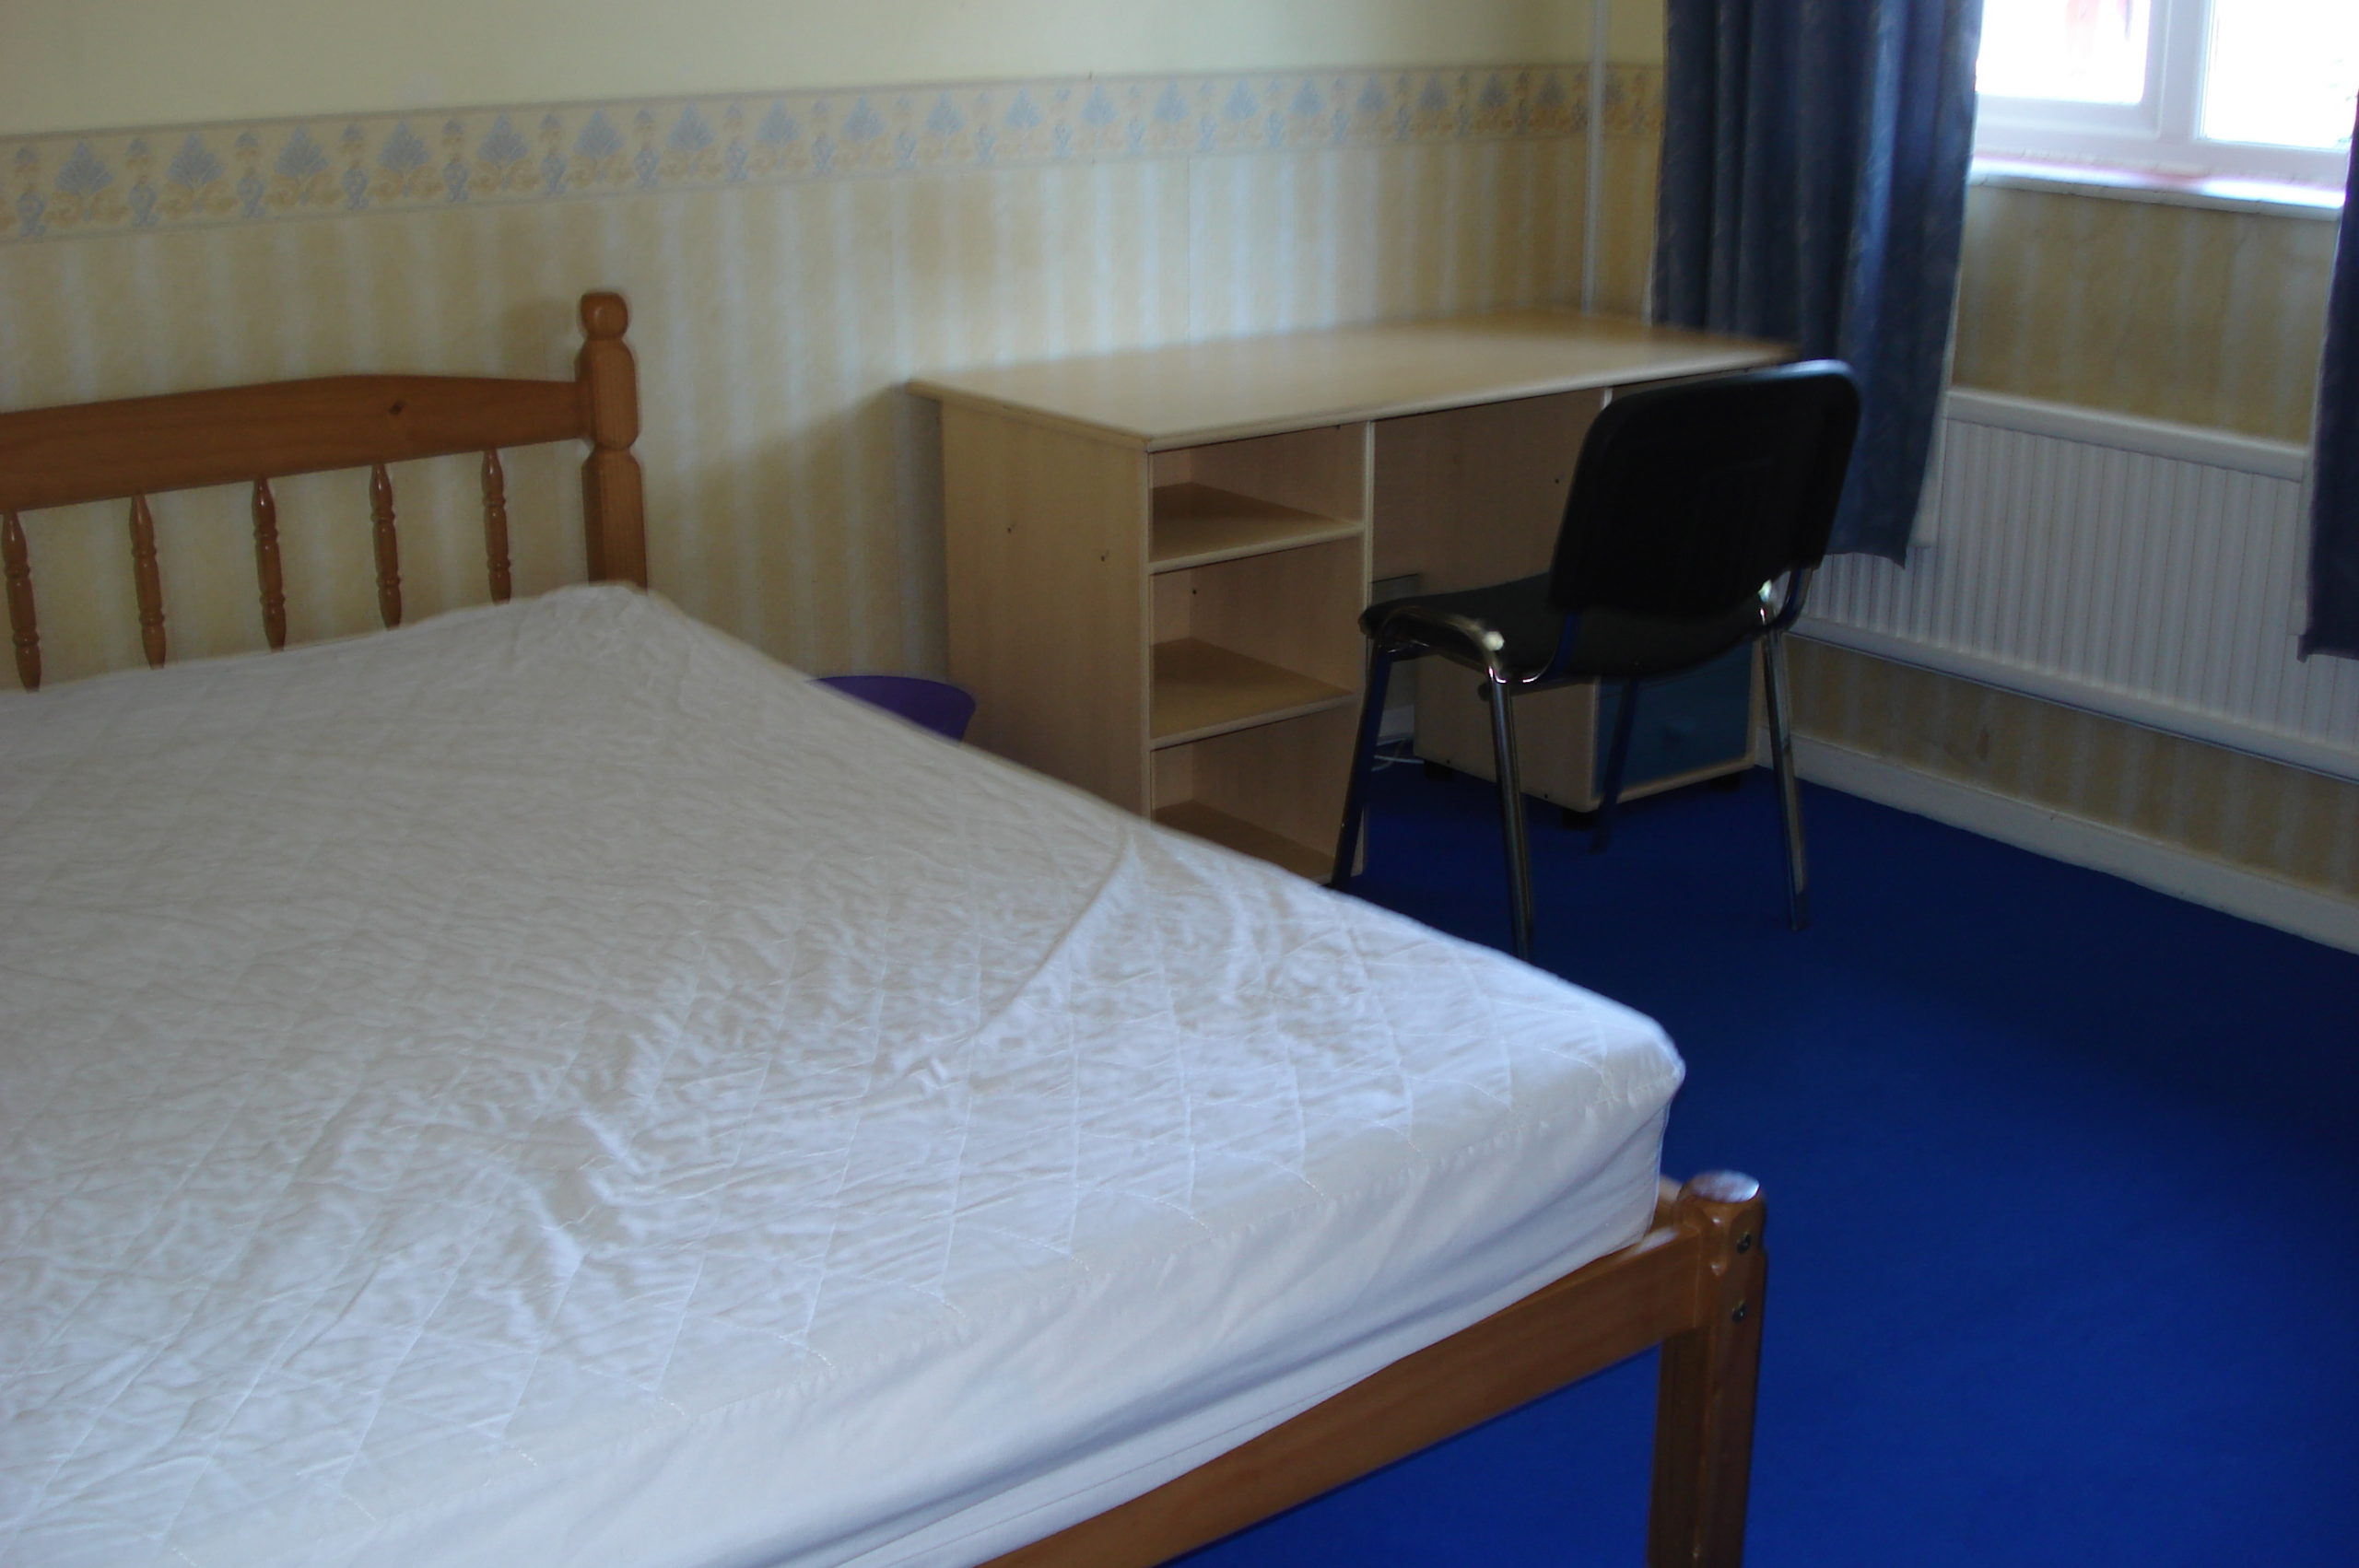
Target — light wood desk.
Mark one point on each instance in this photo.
(1157, 557)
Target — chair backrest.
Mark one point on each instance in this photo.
(1688, 497)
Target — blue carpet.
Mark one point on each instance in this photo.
(2062, 1266)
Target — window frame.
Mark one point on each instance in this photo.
(2161, 133)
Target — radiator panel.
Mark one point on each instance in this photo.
(2151, 572)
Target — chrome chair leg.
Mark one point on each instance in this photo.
(1617, 762)
(1777, 699)
(1347, 841)
(1511, 814)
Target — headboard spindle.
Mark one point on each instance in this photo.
(23, 631)
(387, 544)
(144, 581)
(495, 525)
(274, 588)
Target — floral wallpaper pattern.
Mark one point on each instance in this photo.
(180, 176)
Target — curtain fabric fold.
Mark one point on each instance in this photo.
(1814, 190)
(2334, 473)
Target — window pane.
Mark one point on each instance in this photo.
(2086, 50)
(2282, 72)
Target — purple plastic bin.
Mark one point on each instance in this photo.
(933, 704)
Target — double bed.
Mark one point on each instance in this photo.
(548, 1084)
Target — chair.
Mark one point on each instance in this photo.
(1688, 504)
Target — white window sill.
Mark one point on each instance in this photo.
(2277, 198)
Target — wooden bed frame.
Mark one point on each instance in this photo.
(1692, 1284)
(133, 447)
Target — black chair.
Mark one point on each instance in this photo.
(1688, 504)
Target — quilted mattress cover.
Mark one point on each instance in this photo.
(549, 1086)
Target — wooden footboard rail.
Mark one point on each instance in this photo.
(134, 448)
(1692, 1284)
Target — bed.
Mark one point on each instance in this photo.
(548, 1084)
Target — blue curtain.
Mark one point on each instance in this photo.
(2334, 489)
(1814, 190)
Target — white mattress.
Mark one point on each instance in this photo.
(548, 1086)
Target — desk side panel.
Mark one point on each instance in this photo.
(1473, 496)
(1476, 495)
(1045, 535)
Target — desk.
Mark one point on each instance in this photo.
(1157, 557)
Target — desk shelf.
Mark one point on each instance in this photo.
(1201, 689)
(1247, 839)
(1198, 525)
(1274, 790)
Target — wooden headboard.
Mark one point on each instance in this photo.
(133, 447)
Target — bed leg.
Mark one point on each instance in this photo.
(1704, 1398)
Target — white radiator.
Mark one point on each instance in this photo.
(2144, 570)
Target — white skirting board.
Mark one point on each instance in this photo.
(2200, 878)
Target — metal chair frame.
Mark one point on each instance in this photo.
(1411, 630)
(1465, 640)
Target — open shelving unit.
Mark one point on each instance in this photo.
(1246, 594)
(1258, 556)
(1180, 632)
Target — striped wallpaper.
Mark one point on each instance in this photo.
(778, 305)
(2196, 316)
(2264, 816)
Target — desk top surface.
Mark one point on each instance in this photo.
(1187, 394)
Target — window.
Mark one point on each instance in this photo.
(2244, 89)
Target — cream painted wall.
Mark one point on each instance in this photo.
(88, 64)
(1634, 35)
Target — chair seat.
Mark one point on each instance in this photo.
(1612, 644)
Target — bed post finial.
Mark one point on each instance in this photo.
(604, 314)
(612, 509)
(1705, 1391)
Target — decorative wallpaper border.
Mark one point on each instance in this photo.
(189, 176)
